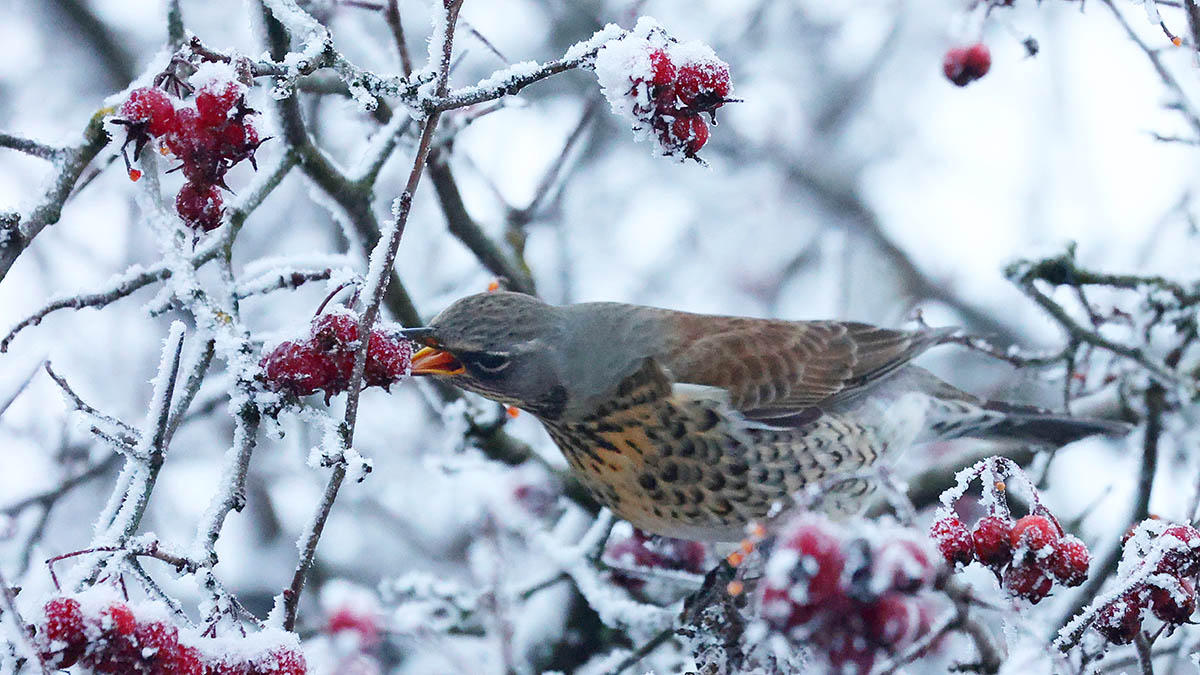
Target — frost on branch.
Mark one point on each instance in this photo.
(663, 87)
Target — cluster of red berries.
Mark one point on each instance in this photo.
(1027, 556)
(325, 360)
(649, 552)
(964, 65)
(679, 91)
(208, 139)
(851, 596)
(116, 641)
(1167, 591)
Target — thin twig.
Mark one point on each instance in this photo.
(392, 15)
(10, 608)
(382, 261)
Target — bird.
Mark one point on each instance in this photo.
(693, 426)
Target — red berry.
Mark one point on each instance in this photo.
(363, 625)
(1069, 562)
(963, 65)
(298, 369)
(1173, 600)
(803, 577)
(850, 652)
(1033, 535)
(117, 650)
(953, 539)
(183, 660)
(1181, 554)
(893, 620)
(157, 641)
(1027, 581)
(281, 662)
(662, 67)
(62, 639)
(388, 359)
(199, 205)
(215, 100)
(335, 332)
(1120, 620)
(992, 539)
(703, 85)
(689, 133)
(151, 106)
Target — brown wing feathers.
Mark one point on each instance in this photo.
(777, 369)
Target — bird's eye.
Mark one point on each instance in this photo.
(489, 362)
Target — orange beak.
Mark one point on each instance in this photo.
(433, 361)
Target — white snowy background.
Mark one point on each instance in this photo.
(845, 96)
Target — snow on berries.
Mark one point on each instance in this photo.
(663, 87)
(851, 591)
(324, 361)
(208, 140)
(108, 636)
(1027, 556)
(1155, 573)
(964, 65)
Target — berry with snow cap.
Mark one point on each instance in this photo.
(1028, 581)
(1172, 599)
(1120, 620)
(1032, 535)
(953, 539)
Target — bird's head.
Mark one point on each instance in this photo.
(500, 345)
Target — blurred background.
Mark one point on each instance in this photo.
(851, 181)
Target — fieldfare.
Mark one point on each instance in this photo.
(691, 426)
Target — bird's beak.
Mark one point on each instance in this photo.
(434, 361)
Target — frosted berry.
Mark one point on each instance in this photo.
(183, 660)
(1120, 620)
(1182, 550)
(297, 368)
(1027, 581)
(662, 67)
(1069, 562)
(227, 667)
(703, 86)
(850, 652)
(151, 107)
(803, 575)
(953, 539)
(280, 662)
(199, 205)
(963, 65)
(117, 650)
(336, 331)
(1032, 534)
(993, 541)
(216, 100)
(893, 620)
(1173, 600)
(62, 636)
(690, 133)
(388, 359)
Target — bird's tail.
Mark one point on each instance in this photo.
(951, 419)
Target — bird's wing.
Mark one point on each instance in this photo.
(780, 372)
